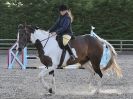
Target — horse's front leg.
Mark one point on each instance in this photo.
(43, 74)
(52, 73)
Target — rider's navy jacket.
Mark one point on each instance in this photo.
(62, 26)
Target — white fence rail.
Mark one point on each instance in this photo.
(5, 44)
(120, 45)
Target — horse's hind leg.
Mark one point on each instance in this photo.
(88, 66)
(108, 76)
(99, 84)
(95, 61)
(91, 77)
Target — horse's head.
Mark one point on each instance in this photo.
(24, 34)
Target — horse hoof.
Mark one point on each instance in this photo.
(50, 90)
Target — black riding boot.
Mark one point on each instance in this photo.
(62, 59)
(69, 49)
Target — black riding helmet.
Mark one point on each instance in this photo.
(63, 7)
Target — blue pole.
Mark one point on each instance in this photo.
(24, 58)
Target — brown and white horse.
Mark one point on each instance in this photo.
(85, 47)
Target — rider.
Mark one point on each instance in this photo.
(63, 29)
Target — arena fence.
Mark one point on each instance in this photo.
(122, 45)
(119, 45)
(5, 44)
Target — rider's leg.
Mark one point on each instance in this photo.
(62, 58)
(69, 49)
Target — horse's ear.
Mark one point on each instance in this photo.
(20, 26)
(35, 27)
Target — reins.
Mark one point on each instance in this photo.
(47, 39)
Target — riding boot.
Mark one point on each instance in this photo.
(62, 59)
(69, 49)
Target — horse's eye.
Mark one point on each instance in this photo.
(21, 34)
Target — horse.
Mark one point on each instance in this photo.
(86, 47)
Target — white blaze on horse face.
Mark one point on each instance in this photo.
(17, 41)
(18, 37)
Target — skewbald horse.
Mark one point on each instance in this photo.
(85, 47)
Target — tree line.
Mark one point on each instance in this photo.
(113, 19)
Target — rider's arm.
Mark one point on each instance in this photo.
(64, 26)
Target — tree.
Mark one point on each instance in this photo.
(112, 18)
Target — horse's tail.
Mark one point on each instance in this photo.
(116, 67)
(109, 45)
(114, 64)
